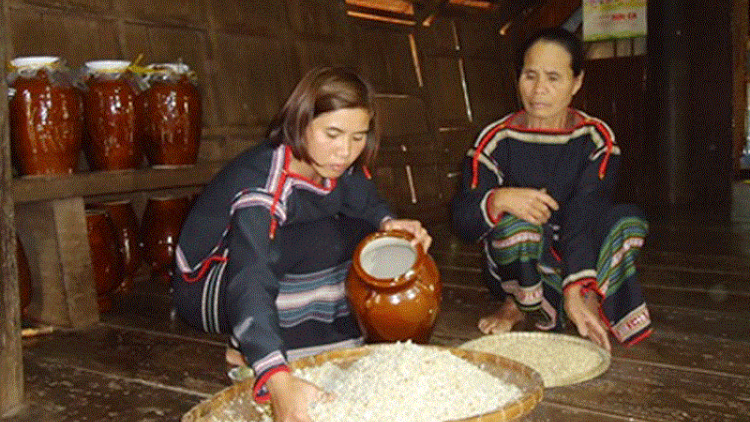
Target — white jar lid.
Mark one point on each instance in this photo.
(33, 62)
(108, 66)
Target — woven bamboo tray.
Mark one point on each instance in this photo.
(560, 359)
(237, 399)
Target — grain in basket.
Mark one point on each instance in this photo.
(402, 382)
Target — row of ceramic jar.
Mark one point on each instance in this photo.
(115, 111)
(119, 245)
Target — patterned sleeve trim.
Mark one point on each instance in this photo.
(271, 360)
(584, 278)
(486, 212)
(488, 134)
(260, 391)
(489, 220)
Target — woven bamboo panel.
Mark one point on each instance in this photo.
(259, 17)
(439, 37)
(74, 38)
(479, 36)
(251, 78)
(319, 52)
(445, 79)
(491, 90)
(400, 116)
(316, 17)
(183, 11)
(384, 56)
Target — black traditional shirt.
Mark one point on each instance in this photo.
(576, 166)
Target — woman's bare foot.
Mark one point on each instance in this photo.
(503, 320)
(234, 357)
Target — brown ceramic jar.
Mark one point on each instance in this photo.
(394, 288)
(127, 232)
(160, 227)
(172, 116)
(114, 137)
(105, 256)
(46, 118)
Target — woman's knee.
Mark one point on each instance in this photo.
(511, 225)
(623, 221)
(515, 239)
(631, 213)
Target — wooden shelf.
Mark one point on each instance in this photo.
(43, 188)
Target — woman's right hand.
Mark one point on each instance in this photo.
(532, 205)
(291, 397)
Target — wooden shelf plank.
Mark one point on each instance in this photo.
(43, 188)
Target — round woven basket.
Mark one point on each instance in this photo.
(238, 399)
(560, 359)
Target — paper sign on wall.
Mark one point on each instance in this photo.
(609, 19)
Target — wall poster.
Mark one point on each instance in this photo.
(611, 19)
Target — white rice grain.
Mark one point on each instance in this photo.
(557, 358)
(407, 382)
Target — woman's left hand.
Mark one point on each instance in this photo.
(412, 226)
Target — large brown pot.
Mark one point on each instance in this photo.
(172, 117)
(160, 226)
(114, 134)
(394, 288)
(128, 236)
(105, 256)
(46, 117)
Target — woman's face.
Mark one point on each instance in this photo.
(547, 85)
(335, 140)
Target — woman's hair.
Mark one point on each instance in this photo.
(321, 90)
(560, 36)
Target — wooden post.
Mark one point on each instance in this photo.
(11, 362)
(669, 89)
(740, 79)
(691, 73)
(56, 241)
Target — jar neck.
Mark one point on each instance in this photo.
(407, 277)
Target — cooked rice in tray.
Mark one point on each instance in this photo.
(398, 382)
(559, 358)
(407, 382)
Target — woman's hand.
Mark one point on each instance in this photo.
(412, 226)
(532, 205)
(291, 397)
(585, 315)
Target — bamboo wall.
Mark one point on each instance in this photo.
(437, 84)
